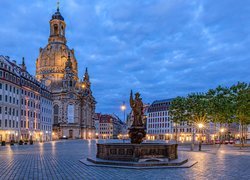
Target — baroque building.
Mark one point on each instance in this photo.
(73, 102)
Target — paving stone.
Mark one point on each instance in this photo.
(60, 160)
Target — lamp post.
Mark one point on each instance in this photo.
(222, 130)
(200, 126)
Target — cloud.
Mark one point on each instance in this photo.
(160, 48)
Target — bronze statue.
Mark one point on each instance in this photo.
(137, 130)
(137, 108)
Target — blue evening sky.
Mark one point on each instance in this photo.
(161, 48)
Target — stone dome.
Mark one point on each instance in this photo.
(50, 65)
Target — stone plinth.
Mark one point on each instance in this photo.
(136, 152)
(136, 134)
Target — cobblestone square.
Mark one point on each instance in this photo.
(60, 160)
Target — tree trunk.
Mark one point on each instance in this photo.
(176, 133)
(242, 129)
(192, 144)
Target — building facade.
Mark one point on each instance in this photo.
(21, 106)
(57, 68)
(159, 123)
(10, 89)
(110, 127)
(46, 115)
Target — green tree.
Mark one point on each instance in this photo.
(241, 105)
(196, 112)
(220, 108)
(177, 112)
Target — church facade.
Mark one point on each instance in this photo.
(73, 102)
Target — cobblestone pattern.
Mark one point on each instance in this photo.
(60, 160)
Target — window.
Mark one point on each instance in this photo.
(56, 29)
(70, 113)
(1, 85)
(56, 112)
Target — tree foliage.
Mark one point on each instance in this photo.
(241, 102)
(177, 110)
(197, 105)
(220, 105)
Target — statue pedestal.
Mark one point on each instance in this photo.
(136, 134)
(136, 152)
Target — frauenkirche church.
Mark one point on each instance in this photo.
(73, 102)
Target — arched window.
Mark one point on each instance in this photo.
(62, 30)
(71, 113)
(56, 112)
(56, 29)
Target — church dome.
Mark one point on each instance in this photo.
(57, 15)
(54, 56)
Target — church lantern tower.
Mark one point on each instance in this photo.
(57, 28)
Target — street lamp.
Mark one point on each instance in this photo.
(200, 126)
(222, 130)
(123, 108)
